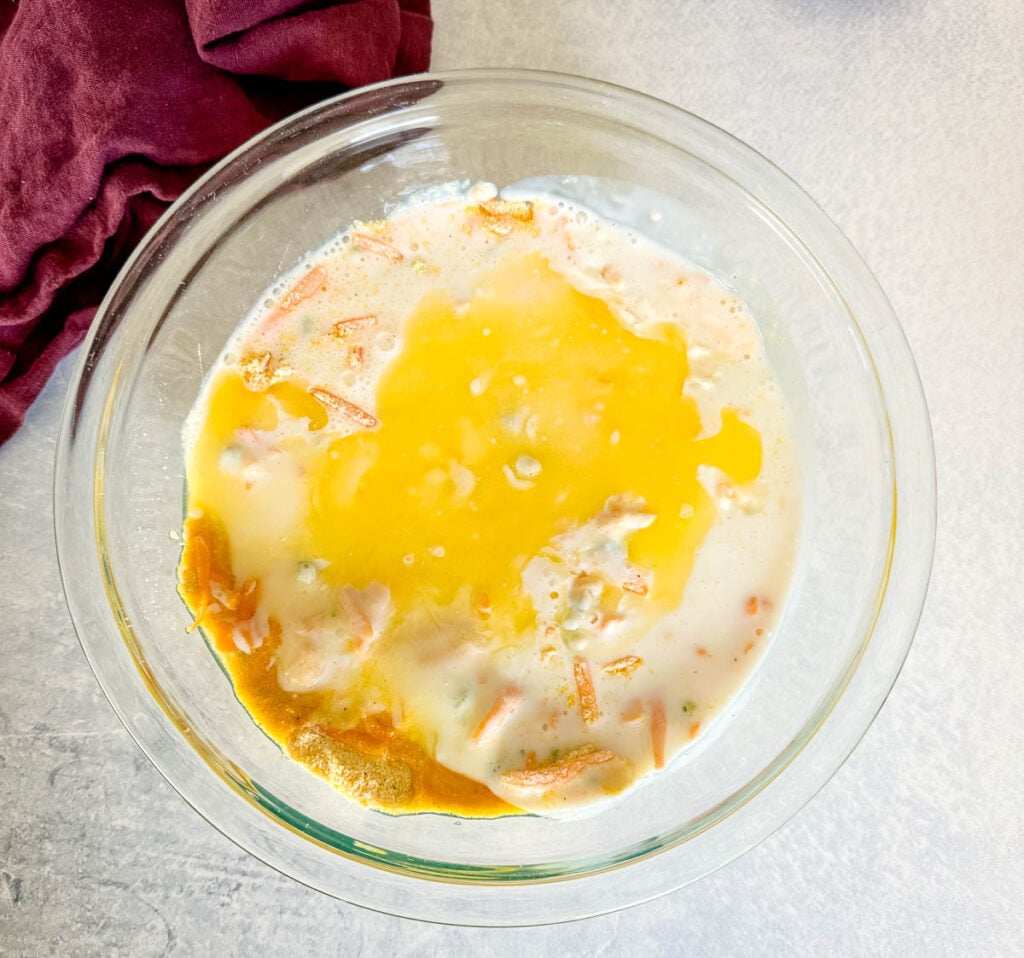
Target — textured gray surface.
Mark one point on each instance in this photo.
(904, 120)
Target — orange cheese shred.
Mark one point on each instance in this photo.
(367, 244)
(585, 689)
(304, 288)
(502, 708)
(625, 665)
(357, 414)
(658, 727)
(311, 283)
(556, 773)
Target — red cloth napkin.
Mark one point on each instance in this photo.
(110, 108)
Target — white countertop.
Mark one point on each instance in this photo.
(905, 120)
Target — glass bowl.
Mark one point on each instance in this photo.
(864, 447)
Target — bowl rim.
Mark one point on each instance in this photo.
(814, 762)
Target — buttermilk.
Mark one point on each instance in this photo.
(492, 507)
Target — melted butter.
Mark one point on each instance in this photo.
(505, 421)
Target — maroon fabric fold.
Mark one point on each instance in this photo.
(110, 108)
